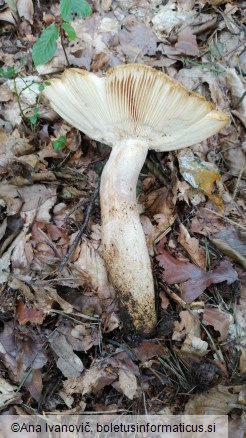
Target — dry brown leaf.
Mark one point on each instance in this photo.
(169, 19)
(148, 349)
(82, 336)
(92, 380)
(219, 320)
(111, 323)
(235, 156)
(237, 426)
(237, 89)
(68, 362)
(194, 346)
(9, 16)
(29, 314)
(206, 223)
(128, 383)
(218, 2)
(34, 384)
(137, 39)
(8, 394)
(219, 400)
(164, 300)
(90, 261)
(231, 242)
(194, 280)
(46, 296)
(25, 9)
(189, 324)
(187, 43)
(191, 245)
(242, 361)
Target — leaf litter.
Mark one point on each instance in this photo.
(62, 339)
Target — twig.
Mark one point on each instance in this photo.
(238, 182)
(226, 219)
(63, 46)
(239, 101)
(234, 48)
(79, 235)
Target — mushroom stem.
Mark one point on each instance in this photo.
(124, 245)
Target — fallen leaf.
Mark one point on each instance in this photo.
(191, 245)
(137, 38)
(237, 89)
(90, 261)
(34, 384)
(29, 314)
(128, 383)
(168, 19)
(219, 400)
(189, 324)
(92, 380)
(194, 280)
(164, 300)
(8, 394)
(25, 9)
(242, 360)
(187, 43)
(231, 242)
(206, 223)
(237, 427)
(194, 345)
(148, 349)
(219, 320)
(68, 362)
(201, 175)
(235, 157)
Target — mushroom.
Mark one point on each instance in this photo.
(133, 108)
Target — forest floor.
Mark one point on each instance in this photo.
(62, 341)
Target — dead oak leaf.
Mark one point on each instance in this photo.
(187, 43)
(26, 314)
(194, 279)
(148, 349)
(219, 320)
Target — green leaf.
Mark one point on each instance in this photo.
(8, 73)
(59, 143)
(79, 7)
(11, 4)
(34, 118)
(216, 49)
(43, 85)
(69, 31)
(45, 47)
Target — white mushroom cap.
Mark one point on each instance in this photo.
(134, 101)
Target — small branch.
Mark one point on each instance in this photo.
(63, 45)
(226, 219)
(239, 101)
(79, 235)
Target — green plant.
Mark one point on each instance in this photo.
(13, 74)
(45, 47)
(59, 143)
